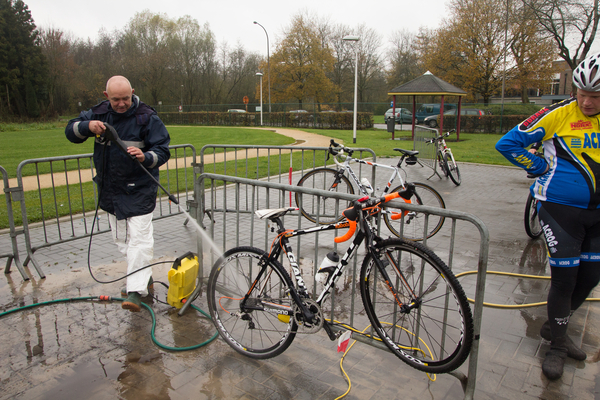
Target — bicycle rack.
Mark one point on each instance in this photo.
(231, 183)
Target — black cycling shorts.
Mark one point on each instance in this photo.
(572, 234)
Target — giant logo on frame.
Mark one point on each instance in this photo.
(581, 125)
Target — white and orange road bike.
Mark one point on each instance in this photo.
(321, 210)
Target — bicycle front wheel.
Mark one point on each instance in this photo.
(532, 223)
(412, 225)
(259, 326)
(328, 210)
(417, 306)
(452, 167)
(443, 163)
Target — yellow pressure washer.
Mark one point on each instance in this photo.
(182, 279)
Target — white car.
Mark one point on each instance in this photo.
(403, 116)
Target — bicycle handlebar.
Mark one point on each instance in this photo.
(440, 137)
(352, 213)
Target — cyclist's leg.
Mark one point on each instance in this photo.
(564, 232)
(588, 276)
(564, 237)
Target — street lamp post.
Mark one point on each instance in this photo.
(268, 65)
(351, 38)
(259, 74)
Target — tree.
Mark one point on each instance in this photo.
(194, 52)
(532, 53)
(56, 47)
(467, 50)
(300, 64)
(371, 75)
(22, 64)
(572, 24)
(405, 63)
(145, 52)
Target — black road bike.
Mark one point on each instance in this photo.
(415, 304)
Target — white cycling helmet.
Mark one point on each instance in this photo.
(587, 74)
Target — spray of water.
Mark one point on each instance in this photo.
(205, 237)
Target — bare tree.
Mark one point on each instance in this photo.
(572, 24)
(532, 54)
(145, 51)
(56, 47)
(405, 63)
(371, 75)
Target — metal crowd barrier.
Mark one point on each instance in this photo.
(230, 203)
(14, 253)
(61, 194)
(427, 152)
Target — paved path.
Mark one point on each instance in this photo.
(98, 351)
(60, 179)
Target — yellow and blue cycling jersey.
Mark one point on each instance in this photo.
(571, 143)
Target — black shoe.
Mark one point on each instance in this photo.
(554, 363)
(572, 350)
(150, 289)
(133, 302)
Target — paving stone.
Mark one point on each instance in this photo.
(55, 346)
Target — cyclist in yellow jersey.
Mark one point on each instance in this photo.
(569, 207)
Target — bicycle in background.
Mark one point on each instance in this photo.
(445, 158)
(409, 225)
(415, 304)
(532, 223)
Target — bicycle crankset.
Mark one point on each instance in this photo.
(313, 326)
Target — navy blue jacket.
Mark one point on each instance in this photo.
(125, 189)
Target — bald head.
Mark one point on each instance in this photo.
(119, 93)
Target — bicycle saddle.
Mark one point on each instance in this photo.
(408, 152)
(272, 213)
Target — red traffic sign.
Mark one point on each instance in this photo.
(246, 99)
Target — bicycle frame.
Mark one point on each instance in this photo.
(366, 231)
(345, 167)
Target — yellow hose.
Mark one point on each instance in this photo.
(513, 306)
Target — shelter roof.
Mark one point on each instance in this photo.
(427, 84)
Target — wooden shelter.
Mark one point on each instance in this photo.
(428, 85)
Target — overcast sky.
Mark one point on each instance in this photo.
(231, 21)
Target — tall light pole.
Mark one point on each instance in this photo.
(259, 74)
(268, 65)
(351, 38)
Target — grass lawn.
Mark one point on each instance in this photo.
(18, 145)
(30, 144)
(472, 147)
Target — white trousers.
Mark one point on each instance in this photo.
(134, 238)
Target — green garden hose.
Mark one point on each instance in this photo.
(108, 298)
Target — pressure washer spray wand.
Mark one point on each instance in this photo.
(111, 134)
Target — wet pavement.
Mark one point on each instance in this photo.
(95, 350)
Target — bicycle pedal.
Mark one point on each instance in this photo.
(332, 335)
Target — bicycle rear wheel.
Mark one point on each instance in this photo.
(452, 167)
(419, 310)
(328, 210)
(532, 223)
(412, 225)
(259, 327)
